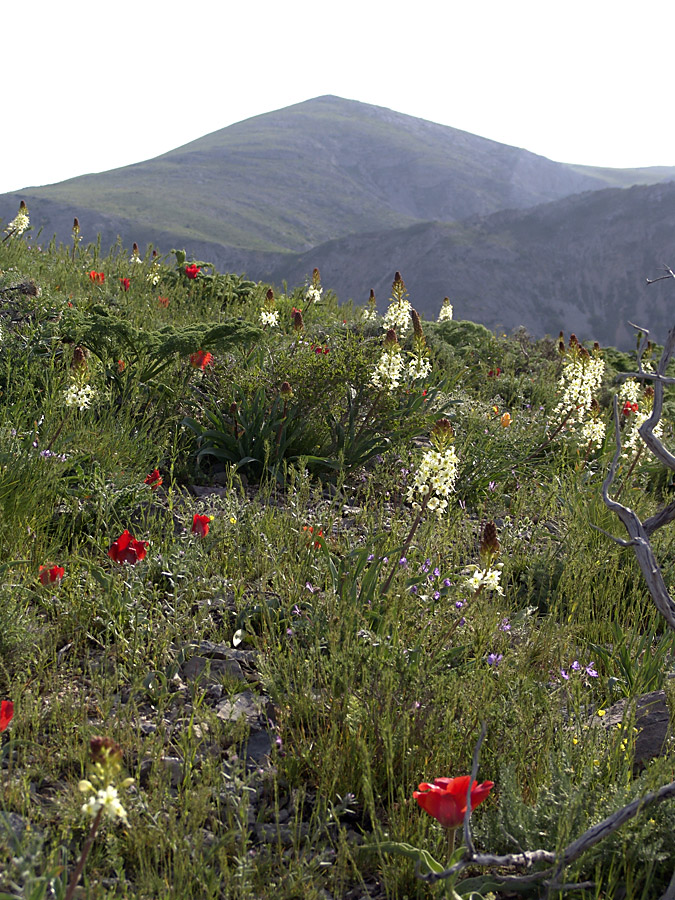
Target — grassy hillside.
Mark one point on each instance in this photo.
(289, 568)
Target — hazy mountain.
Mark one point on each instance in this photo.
(578, 264)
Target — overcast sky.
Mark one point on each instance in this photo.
(90, 86)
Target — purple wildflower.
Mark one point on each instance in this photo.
(494, 659)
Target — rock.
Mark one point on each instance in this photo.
(174, 766)
(258, 749)
(246, 704)
(201, 668)
(652, 720)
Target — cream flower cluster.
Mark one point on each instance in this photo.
(419, 367)
(313, 294)
(629, 392)
(436, 476)
(445, 315)
(580, 380)
(632, 439)
(397, 316)
(593, 433)
(389, 370)
(19, 223)
(369, 314)
(269, 317)
(80, 397)
(485, 578)
(106, 799)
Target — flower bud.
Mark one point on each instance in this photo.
(76, 225)
(269, 296)
(489, 545)
(105, 750)
(298, 321)
(286, 391)
(442, 434)
(417, 325)
(79, 360)
(390, 339)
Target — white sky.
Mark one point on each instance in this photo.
(90, 86)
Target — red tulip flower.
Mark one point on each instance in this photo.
(126, 549)
(49, 576)
(97, 277)
(192, 271)
(126, 283)
(445, 799)
(6, 713)
(201, 359)
(154, 479)
(200, 525)
(629, 408)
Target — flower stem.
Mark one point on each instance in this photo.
(77, 874)
(451, 841)
(404, 549)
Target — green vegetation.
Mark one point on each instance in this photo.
(289, 646)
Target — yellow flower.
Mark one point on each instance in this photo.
(505, 420)
(233, 520)
(602, 712)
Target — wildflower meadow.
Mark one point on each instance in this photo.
(301, 599)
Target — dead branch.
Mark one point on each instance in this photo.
(631, 521)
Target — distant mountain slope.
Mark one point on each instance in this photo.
(300, 176)
(577, 264)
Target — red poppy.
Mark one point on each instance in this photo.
(163, 302)
(97, 277)
(201, 359)
(494, 373)
(192, 271)
(310, 528)
(49, 576)
(200, 525)
(126, 549)
(629, 408)
(445, 799)
(6, 713)
(154, 479)
(126, 283)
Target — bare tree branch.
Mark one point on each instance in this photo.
(639, 537)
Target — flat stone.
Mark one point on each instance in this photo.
(258, 748)
(201, 668)
(652, 720)
(245, 704)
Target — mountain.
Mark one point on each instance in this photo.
(361, 191)
(578, 264)
(291, 179)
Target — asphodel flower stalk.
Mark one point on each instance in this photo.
(432, 483)
(397, 315)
